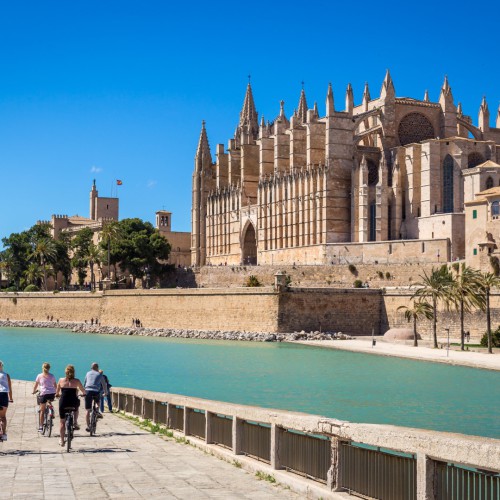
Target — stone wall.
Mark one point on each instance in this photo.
(63, 306)
(353, 311)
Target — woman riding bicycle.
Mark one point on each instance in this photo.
(46, 382)
(67, 388)
(5, 398)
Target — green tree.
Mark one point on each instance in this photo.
(419, 310)
(140, 248)
(45, 251)
(62, 263)
(436, 287)
(487, 282)
(466, 295)
(33, 273)
(93, 258)
(111, 234)
(80, 244)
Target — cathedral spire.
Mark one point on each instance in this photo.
(387, 87)
(302, 108)
(446, 93)
(349, 99)
(484, 116)
(426, 96)
(248, 115)
(203, 156)
(459, 110)
(330, 107)
(366, 95)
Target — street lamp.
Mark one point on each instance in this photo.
(148, 276)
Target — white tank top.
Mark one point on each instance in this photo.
(4, 382)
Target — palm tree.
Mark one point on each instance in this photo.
(46, 251)
(436, 287)
(33, 273)
(111, 232)
(487, 282)
(420, 309)
(93, 257)
(466, 295)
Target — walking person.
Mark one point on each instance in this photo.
(108, 395)
(67, 389)
(93, 383)
(46, 383)
(5, 399)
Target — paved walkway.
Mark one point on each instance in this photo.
(123, 461)
(455, 357)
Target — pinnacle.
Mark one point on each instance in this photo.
(366, 93)
(248, 115)
(302, 107)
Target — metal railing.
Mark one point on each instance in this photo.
(176, 417)
(221, 430)
(256, 440)
(305, 454)
(459, 483)
(371, 461)
(196, 423)
(377, 474)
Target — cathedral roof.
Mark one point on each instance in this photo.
(488, 164)
(494, 191)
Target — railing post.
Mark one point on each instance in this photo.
(133, 404)
(275, 442)
(237, 428)
(425, 477)
(208, 427)
(143, 408)
(154, 412)
(333, 476)
(168, 417)
(185, 423)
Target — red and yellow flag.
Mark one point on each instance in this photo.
(119, 182)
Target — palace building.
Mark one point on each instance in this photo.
(385, 180)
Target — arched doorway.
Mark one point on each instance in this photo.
(249, 253)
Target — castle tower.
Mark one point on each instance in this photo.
(202, 183)
(93, 196)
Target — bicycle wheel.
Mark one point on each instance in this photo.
(50, 422)
(69, 431)
(93, 422)
(45, 424)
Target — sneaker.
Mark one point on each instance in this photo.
(4, 437)
(100, 415)
(87, 429)
(40, 429)
(76, 427)
(61, 442)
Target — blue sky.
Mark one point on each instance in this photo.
(118, 89)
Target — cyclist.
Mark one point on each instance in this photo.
(47, 383)
(67, 388)
(5, 399)
(94, 384)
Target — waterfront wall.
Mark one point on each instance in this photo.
(350, 311)
(407, 463)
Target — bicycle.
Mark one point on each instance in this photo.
(94, 415)
(48, 418)
(69, 423)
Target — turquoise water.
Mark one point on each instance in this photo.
(339, 384)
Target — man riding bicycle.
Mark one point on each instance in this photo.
(94, 384)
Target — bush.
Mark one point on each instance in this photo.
(352, 268)
(495, 264)
(32, 288)
(253, 281)
(388, 275)
(495, 338)
(456, 266)
(358, 284)
(11, 289)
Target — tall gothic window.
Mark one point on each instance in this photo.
(489, 183)
(373, 222)
(372, 172)
(448, 184)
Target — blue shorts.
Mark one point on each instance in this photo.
(4, 400)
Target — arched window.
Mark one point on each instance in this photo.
(495, 209)
(414, 127)
(474, 159)
(448, 184)
(489, 183)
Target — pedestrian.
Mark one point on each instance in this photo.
(5, 399)
(133, 321)
(108, 393)
(91, 321)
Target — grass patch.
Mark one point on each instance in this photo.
(265, 477)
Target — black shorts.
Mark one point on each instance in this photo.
(4, 400)
(63, 411)
(91, 396)
(46, 397)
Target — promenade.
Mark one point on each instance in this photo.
(122, 461)
(421, 353)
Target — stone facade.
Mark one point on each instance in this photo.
(387, 170)
(180, 252)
